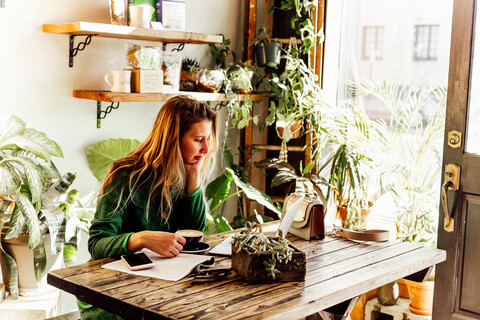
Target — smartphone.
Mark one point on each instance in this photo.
(137, 261)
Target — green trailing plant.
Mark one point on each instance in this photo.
(302, 22)
(29, 177)
(297, 96)
(258, 243)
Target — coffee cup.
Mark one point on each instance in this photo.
(192, 237)
(119, 80)
(141, 16)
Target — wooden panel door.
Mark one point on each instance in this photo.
(457, 281)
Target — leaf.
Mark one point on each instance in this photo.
(309, 167)
(218, 190)
(274, 163)
(221, 224)
(10, 181)
(35, 178)
(31, 219)
(228, 157)
(17, 224)
(283, 176)
(101, 154)
(42, 140)
(14, 126)
(55, 220)
(26, 144)
(254, 194)
(40, 260)
(69, 255)
(47, 166)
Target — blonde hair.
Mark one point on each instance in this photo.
(159, 158)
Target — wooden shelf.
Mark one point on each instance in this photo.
(108, 96)
(126, 32)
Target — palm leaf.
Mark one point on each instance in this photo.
(283, 176)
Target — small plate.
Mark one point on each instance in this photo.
(200, 247)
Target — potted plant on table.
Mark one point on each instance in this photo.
(33, 183)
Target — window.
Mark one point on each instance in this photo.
(426, 42)
(372, 43)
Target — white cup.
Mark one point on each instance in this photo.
(141, 16)
(120, 80)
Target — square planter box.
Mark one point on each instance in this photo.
(251, 268)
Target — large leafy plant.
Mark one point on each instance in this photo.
(409, 153)
(221, 189)
(26, 174)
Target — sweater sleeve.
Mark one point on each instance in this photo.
(189, 212)
(106, 239)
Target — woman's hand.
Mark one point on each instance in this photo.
(164, 243)
(194, 175)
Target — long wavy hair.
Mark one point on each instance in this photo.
(159, 158)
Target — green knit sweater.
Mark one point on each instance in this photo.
(114, 223)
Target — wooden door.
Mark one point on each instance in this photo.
(457, 281)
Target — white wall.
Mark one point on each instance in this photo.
(36, 83)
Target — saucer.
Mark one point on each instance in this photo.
(195, 248)
(420, 312)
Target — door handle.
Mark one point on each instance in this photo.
(451, 182)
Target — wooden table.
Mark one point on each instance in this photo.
(337, 270)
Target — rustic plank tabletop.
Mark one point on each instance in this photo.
(337, 270)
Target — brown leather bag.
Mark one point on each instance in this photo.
(309, 222)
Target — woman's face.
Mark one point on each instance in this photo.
(194, 143)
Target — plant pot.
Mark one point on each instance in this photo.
(18, 249)
(267, 53)
(242, 82)
(251, 266)
(421, 297)
(403, 289)
(296, 130)
(362, 223)
(188, 80)
(210, 80)
(388, 294)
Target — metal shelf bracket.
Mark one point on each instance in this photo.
(80, 46)
(101, 114)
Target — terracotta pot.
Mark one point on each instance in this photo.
(421, 297)
(402, 288)
(18, 249)
(343, 211)
(296, 129)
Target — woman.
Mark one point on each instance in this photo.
(155, 190)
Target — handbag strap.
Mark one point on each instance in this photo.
(367, 235)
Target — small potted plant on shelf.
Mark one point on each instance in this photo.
(267, 51)
(188, 74)
(34, 224)
(261, 259)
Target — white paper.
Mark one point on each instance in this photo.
(171, 269)
(224, 248)
(289, 216)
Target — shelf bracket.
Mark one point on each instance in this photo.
(219, 105)
(101, 114)
(81, 45)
